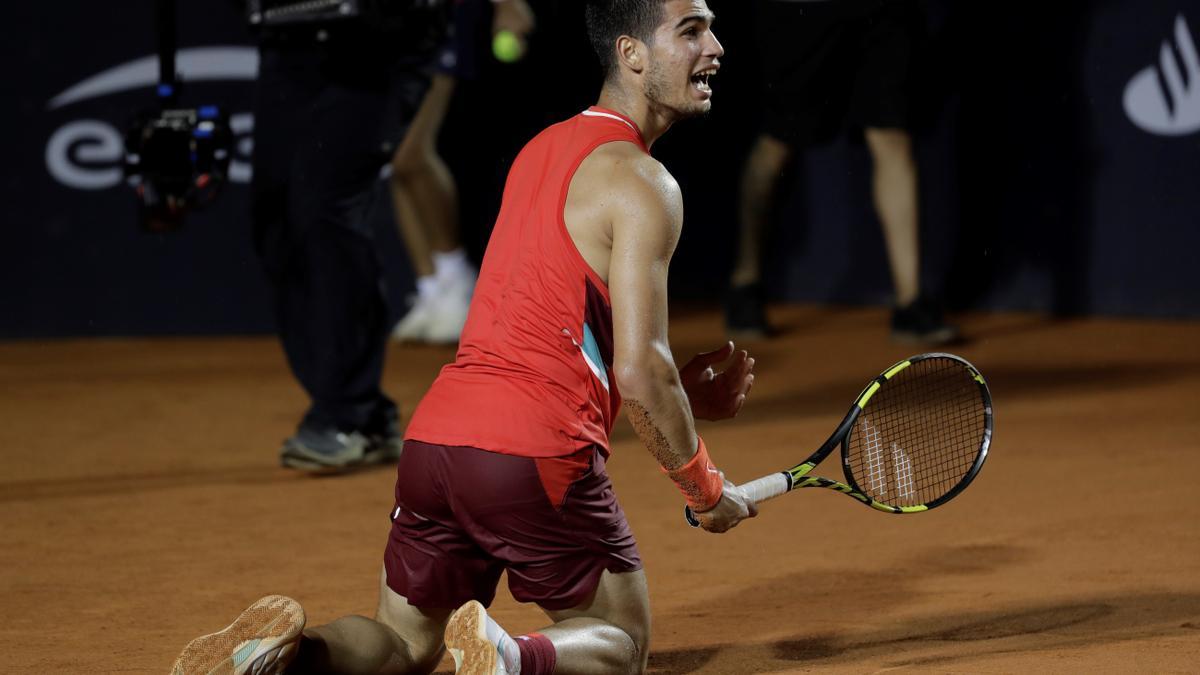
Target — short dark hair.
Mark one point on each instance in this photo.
(608, 20)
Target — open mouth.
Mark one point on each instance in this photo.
(700, 79)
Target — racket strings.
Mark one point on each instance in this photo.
(919, 435)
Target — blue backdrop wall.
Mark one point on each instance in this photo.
(1059, 150)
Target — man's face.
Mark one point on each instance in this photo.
(682, 57)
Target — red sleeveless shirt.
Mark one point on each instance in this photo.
(533, 374)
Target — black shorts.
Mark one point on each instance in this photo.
(828, 65)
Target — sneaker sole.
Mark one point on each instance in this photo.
(315, 468)
(466, 638)
(296, 456)
(262, 640)
(378, 453)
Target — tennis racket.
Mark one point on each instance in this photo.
(915, 438)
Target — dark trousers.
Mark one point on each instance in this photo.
(324, 125)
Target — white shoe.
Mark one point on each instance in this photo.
(415, 325)
(440, 311)
(263, 640)
(467, 639)
(447, 318)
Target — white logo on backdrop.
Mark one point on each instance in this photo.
(87, 154)
(1164, 99)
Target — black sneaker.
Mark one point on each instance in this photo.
(746, 312)
(921, 323)
(384, 441)
(383, 449)
(324, 451)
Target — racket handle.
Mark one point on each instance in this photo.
(758, 490)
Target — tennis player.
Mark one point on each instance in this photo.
(503, 468)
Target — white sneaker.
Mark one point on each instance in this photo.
(415, 325)
(262, 641)
(447, 318)
(467, 639)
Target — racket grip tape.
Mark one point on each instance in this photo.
(757, 491)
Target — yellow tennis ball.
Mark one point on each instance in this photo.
(507, 47)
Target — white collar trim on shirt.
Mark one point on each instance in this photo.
(597, 113)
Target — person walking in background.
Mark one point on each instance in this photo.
(826, 64)
(503, 468)
(424, 193)
(332, 102)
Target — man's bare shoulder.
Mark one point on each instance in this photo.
(623, 175)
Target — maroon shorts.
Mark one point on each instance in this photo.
(464, 515)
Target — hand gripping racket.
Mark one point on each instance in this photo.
(915, 438)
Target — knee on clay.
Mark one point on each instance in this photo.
(630, 649)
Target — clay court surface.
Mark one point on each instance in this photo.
(143, 505)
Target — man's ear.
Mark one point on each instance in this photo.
(632, 53)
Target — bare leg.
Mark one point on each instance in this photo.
(756, 194)
(423, 190)
(401, 639)
(426, 205)
(610, 633)
(895, 188)
(606, 634)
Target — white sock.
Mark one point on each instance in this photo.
(427, 287)
(452, 265)
(509, 651)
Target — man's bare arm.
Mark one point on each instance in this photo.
(646, 222)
